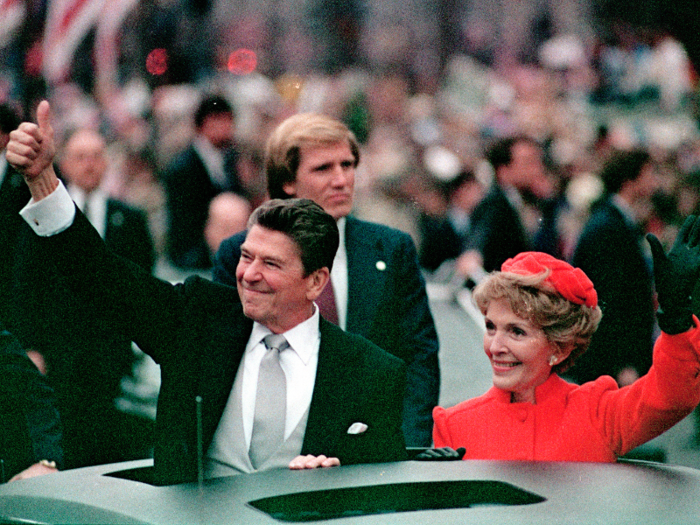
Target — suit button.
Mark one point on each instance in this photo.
(522, 414)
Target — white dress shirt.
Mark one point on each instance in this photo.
(97, 206)
(213, 160)
(299, 363)
(339, 276)
(52, 214)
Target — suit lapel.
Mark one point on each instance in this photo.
(365, 282)
(226, 336)
(335, 392)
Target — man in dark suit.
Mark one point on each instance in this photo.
(377, 289)
(30, 434)
(207, 339)
(611, 252)
(86, 361)
(504, 223)
(206, 168)
(83, 165)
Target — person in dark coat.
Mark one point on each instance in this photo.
(206, 168)
(506, 221)
(611, 253)
(30, 434)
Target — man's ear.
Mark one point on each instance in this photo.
(290, 188)
(317, 281)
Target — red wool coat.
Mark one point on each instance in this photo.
(596, 421)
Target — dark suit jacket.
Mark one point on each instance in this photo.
(31, 428)
(609, 251)
(127, 234)
(197, 332)
(497, 231)
(189, 190)
(14, 195)
(387, 304)
(440, 242)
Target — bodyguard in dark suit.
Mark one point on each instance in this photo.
(206, 168)
(30, 433)
(378, 290)
(200, 332)
(610, 251)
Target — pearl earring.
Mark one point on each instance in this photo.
(553, 361)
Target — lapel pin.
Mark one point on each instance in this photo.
(381, 266)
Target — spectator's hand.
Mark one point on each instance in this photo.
(31, 151)
(441, 454)
(311, 462)
(37, 469)
(675, 275)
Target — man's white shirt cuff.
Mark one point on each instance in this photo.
(50, 215)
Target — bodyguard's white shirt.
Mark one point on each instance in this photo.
(213, 159)
(339, 276)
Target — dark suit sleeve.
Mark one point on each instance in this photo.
(123, 297)
(439, 242)
(28, 411)
(129, 235)
(417, 329)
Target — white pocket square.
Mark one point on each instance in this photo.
(357, 428)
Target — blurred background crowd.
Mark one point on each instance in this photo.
(427, 87)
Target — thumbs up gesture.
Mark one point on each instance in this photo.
(31, 151)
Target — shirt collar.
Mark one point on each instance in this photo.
(342, 222)
(300, 338)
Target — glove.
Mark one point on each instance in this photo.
(441, 454)
(675, 276)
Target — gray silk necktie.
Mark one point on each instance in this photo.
(270, 402)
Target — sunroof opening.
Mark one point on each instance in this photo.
(396, 497)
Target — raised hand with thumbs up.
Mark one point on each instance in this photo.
(31, 151)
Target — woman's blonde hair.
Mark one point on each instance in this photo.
(564, 323)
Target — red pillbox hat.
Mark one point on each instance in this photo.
(570, 282)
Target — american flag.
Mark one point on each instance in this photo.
(67, 23)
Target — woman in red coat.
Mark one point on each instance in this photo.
(540, 314)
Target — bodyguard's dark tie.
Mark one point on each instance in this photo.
(270, 402)
(326, 304)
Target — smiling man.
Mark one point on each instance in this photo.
(319, 397)
(377, 288)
